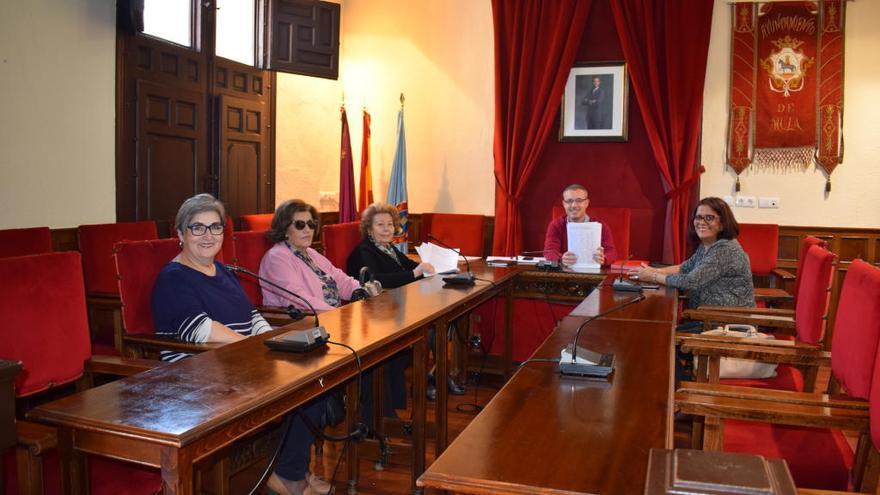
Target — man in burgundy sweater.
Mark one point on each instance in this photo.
(575, 200)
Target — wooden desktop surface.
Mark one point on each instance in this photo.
(172, 416)
(548, 433)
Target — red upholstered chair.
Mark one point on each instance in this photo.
(808, 323)
(339, 240)
(138, 264)
(250, 247)
(761, 244)
(464, 232)
(818, 458)
(806, 243)
(46, 329)
(21, 242)
(259, 221)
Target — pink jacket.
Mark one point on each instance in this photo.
(282, 267)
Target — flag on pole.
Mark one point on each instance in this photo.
(346, 175)
(397, 187)
(365, 191)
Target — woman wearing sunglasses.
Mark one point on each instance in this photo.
(718, 273)
(294, 265)
(196, 299)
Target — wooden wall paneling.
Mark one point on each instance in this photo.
(304, 37)
(244, 173)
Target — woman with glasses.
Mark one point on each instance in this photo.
(294, 265)
(196, 299)
(718, 273)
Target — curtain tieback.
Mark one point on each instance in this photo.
(685, 186)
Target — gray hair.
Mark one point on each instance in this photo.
(199, 203)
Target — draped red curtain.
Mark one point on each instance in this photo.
(535, 45)
(666, 44)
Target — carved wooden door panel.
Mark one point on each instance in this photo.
(244, 164)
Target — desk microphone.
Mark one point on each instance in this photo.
(581, 369)
(464, 279)
(547, 265)
(296, 340)
(622, 284)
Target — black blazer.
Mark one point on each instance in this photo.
(383, 268)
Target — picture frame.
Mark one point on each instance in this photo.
(594, 104)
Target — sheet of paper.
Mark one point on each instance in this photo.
(444, 260)
(583, 240)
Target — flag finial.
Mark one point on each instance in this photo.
(401, 100)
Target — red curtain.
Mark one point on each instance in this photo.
(535, 46)
(666, 44)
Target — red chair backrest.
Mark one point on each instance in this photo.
(44, 319)
(138, 264)
(808, 242)
(857, 329)
(618, 220)
(249, 250)
(257, 221)
(227, 251)
(339, 241)
(812, 301)
(21, 242)
(96, 246)
(464, 232)
(761, 242)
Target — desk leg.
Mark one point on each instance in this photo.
(352, 390)
(442, 402)
(508, 332)
(420, 385)
(74, 464)
(177, 471)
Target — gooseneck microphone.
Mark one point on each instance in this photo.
(296, 340)
(460, 278)
(622, 284)
(575, 368)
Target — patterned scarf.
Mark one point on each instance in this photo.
(328, 285)
(387, 249)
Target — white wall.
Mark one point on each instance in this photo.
(440, 55)
(854, 200)
(57, 81)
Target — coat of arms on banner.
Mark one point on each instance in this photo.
(786, 90)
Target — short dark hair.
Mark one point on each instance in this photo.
(576, 187)
(284, 217)
(729, 226)
(375, 209)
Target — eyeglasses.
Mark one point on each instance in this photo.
(574, 201)
(199, 229)
(705, 218)
(301, 224)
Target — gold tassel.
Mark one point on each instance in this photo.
(737, 183)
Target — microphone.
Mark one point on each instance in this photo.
(622, 284)
(296, 340)
(466, 278)
(547, 265)
(603, 362)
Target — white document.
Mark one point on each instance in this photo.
(444, 260)
(583, 240)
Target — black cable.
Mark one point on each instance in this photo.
(474, 407)
(268, 471)
(486, 280)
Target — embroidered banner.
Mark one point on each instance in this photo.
(786, 90)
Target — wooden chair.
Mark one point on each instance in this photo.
(21, 242)
(808, 324)
(46, 330)
(138, 264)
(464, 232)
(339, 240)
(102, 289)
(259, 221)
(250, 246)
(760, 241)
(818, 458)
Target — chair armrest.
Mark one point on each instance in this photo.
(746, 311)
(119, 366)
(35, 437)
(169, 344)
(765, 352)
(756, 318)
(701, 404)
(773, 395)
(772, 294)
(783, 274)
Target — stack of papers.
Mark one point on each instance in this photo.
(444, 260)
(521, 260)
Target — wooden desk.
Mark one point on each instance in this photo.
(547, 433)
(176, 415)
(659, 304)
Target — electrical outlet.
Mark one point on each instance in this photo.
(745, 201)
(728, 200)
(768, 202)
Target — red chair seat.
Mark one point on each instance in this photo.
(787, 378)
(463, 232)
(259, 221)
(817, 458)
(249, 250)
(96, 246)
(107, 476)
(339, 240)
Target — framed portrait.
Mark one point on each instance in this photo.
(594, 103)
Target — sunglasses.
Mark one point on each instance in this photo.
(300, 224)
(199, 229)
